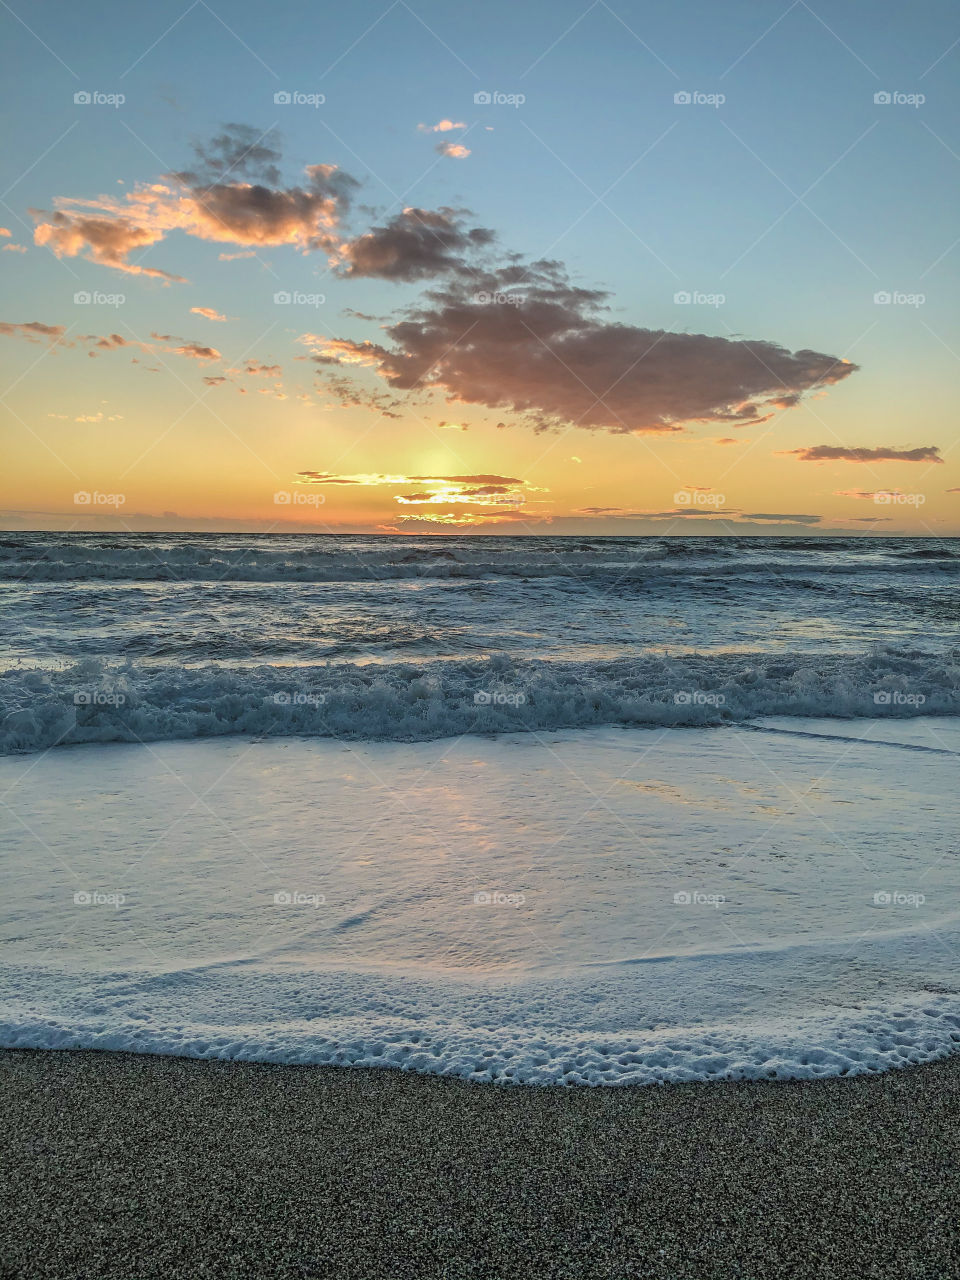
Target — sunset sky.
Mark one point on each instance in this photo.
(689, 269)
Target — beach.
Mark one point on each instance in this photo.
(124, 1165)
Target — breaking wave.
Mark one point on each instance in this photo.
(96, 701)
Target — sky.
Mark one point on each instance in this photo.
(567, 268)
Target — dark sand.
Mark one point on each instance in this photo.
(135, 1167)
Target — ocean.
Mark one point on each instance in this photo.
(533, 810)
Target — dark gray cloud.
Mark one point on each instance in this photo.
(839, 453)
(415, 245)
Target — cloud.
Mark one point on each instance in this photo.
(376, 478)
(5, 231)
(258, 370)
(730, 440)
(456, 150)
(33, 331)
(107, 240)
(413, 245)
(442, 126)
(232, 257)
(781, 518)
(14, 248)
(839, 453)
(241, 150)
(215, 380)
(208, 312)
(525, 339)
(194, 351)
(231, 196)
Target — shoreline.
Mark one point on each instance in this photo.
(124, 1165)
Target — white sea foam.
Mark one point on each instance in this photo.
(602, 908)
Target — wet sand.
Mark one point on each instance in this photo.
(138, 1167)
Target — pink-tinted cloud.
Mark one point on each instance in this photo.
(231, 197)
(194, 351)
(207, 312)
(455, 150)
(442, 126)
(33, 331)
(525, 339)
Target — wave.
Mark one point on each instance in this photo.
(97, 701)
(206, 564)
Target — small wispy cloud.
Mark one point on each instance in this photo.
(208, 312)
(442, 126)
